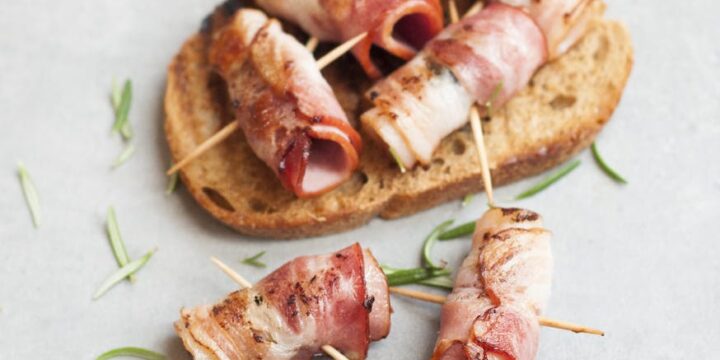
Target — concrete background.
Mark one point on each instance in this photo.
(641, 261)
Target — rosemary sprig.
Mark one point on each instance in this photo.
(124, 156)
(31, 195)
(440, 282)
(430, 240)
(465, 229)
(545, 183)
(116, 242)
(130, 351)
(122, 273)
(122, 109)
(605, 167)
(397, 159)
(255, 260)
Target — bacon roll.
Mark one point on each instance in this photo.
(339, 299)
(486, 57)
(500, 290)
(401, 27)
(287, 110)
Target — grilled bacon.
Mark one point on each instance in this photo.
(339, 299)
(494, 51)
(399, 26)
(287, 110)
(500, 290)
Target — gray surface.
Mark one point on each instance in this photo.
(640, 261)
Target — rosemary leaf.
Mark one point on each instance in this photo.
(124, 156)
(116, 96)
(545, 183)
(430, 241)
(399, 162)
(493, 97)
(172, 183)
(605, 167)
(465, 229)
(255, 260)
(440, 282)
(122, 124)
(467, 200)
(397, 277)
(122, 273)
(135, 352)
(31, 195)
(116, 242)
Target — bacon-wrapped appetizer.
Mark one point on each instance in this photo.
(485, 57)
(339, 299)
(499, 291)
(399, 26)
(287, 110)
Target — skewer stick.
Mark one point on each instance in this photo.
(474, 9)
(328, 349)
(482, 153)
(217, 138)
(230, 128)
(312, 44)
(453, 11)
(475, 121)
(439, 299)
(339, 51)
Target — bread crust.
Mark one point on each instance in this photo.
(559, 114)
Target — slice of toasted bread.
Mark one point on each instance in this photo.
(556, 116)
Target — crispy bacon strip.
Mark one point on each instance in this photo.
(287, 110)
(494, 51)
(500, 290)
(563, 22)
(399, 26)
(340, 299)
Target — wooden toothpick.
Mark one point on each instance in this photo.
(439, 299)
(328, 349)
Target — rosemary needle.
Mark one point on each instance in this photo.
(399, 162)
(545, 183)
(255, 260)
(135, 352)
(465, 229)
(31, 195)
(467, 200)
(122, 273)
(115, 96)
(122, 124)
(396, 277)
(605, 167)
(116, 242)
(430, 241)
(124, 156)
(172, 183)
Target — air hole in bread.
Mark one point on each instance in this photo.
(561, 102)
(218, 199)
(355, 183)
(260, 206)
(459, 147)
(438, 162)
